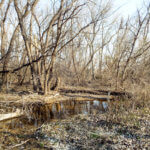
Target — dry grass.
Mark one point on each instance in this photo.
(131, 111)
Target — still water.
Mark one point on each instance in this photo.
(60, 110)
(68, 108)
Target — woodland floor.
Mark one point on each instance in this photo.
(79, 133)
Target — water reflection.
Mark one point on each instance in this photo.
(68, 108)
(105, 105)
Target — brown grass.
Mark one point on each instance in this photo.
(131, 111)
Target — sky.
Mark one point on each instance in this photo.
(127, 7)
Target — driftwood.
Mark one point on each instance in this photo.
(9, 116)
(18, 145)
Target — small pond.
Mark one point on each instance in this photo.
(57, 111)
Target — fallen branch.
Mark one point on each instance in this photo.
(17, 145)
(9, 116)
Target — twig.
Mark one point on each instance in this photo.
(17, 145)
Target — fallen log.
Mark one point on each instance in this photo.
(95, 92)
(78, 96)
(9, 116)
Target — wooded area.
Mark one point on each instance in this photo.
(73, 43)
(74, 74)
